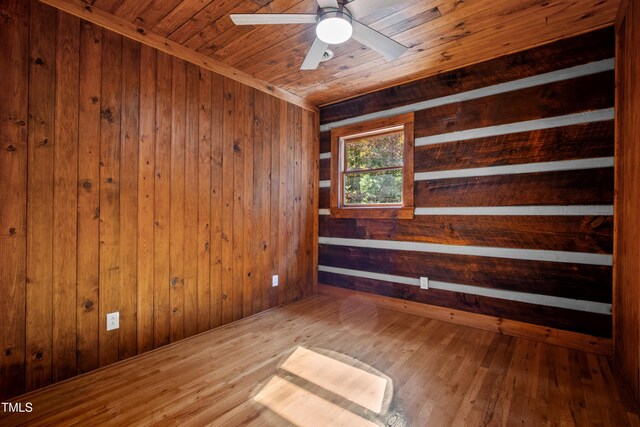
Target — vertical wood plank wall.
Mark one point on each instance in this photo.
(135, 182)
(627, 238)
(513, 190)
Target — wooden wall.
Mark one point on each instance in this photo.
(513, 191)
(133, 181)
(627, 247)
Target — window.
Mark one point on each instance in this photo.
(372, 169)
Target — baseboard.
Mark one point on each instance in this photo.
(573, 340)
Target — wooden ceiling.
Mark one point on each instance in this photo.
(441, 34)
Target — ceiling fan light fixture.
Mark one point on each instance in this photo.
(334, 26)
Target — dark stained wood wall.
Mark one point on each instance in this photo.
(627, 248)
(577, 233)
(133, 181)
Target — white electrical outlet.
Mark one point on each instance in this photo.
(113, 321)
(424, 283)
(274, 280)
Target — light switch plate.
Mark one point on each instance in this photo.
(274, 280)
(113, 321)
(424, 283)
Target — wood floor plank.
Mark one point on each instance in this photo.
(441, 374)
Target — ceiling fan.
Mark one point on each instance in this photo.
(336, 22)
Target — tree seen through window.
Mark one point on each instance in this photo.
(373, 169)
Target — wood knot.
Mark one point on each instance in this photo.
(8, 352)
(12, 231)
(224, 296)
(444, 56)
(39, 61)
(44, 142)
(248, 274)
(86, 184)
(11, 147)
(88, 305)
(174, 281)
(109, 180)
(39, 355)
(107, 114)
(264, 246)
(236, 148)
(141, 31)
(207, 246)
(94, 99)
(21, 123)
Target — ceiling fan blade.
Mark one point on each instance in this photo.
(369, 37)
(312, 60)
(272, 18)
(328, 3)
(362, 8)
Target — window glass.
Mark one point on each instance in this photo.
(379, 187)
(375, 151)
(372, 169)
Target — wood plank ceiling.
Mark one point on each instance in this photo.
(441, 34)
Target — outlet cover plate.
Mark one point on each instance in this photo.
(113, 321)
(424, 283)
(274, 280)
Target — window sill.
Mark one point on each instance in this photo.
(373, 213)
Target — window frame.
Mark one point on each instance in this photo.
(342, 134)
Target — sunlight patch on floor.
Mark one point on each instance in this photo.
(303, 408)
(322, 387)
(351, 383)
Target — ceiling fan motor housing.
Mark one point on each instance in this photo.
(334, 25)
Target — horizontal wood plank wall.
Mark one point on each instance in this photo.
(548, 266)
(135, 182)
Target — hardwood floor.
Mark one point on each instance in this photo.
(335, 361)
